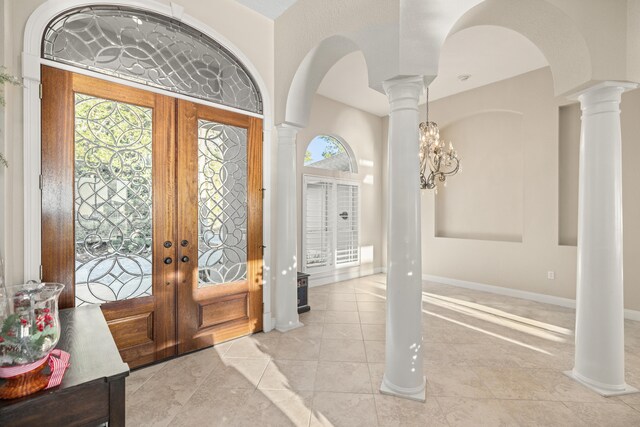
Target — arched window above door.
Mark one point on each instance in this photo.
(152, 49)
(328, 152)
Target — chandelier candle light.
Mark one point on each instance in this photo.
(435, 158)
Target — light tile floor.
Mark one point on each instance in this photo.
(489, 360)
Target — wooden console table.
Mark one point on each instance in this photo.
(92, 390)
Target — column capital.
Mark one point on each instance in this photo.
(287, 133)
(404, 93)
(603, 97)
(609, 90)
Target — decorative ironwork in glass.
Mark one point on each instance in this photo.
(222, 203)
(152, 49)
(113, 200)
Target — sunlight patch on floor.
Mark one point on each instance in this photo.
(484, 331)
(495, 311)
(495, 318)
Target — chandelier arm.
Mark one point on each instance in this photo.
(431, 181)
(434, 163)
(454, 170)
(423, 181)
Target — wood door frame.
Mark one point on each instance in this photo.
(58, 204)
(189, 295)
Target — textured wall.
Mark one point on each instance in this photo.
(491, 187)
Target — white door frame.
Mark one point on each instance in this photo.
(31, 62)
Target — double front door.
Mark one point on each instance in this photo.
(151, 207)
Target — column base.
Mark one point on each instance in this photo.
(600, 389)
(419, 393)
(288, 327)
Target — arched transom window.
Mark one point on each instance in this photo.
(152, 49)
(328, 152)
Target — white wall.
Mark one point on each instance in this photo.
(535, 176)
(496, 199)
(3, 138)
(363, 132)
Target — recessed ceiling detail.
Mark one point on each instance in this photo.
(269, 8)
(487, 54)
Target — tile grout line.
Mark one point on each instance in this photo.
(164, 364)
(375, 404)
(182, 405)
(446, 420)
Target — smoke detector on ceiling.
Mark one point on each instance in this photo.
(464, 77)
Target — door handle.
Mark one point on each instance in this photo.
(168, 260)
(185, 259)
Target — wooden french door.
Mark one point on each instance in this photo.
(152, 208)
(224, 288)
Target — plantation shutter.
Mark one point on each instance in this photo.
(347, 219)
(318, 223)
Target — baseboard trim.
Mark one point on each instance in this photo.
(267, 322)
(320, 279)
(516, 293)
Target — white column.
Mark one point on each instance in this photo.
(403, 373)
(599, 352)
(286, 239)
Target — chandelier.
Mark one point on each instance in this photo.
(437, 162)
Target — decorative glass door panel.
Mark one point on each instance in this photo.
(113, 200)
(108, 202)
(220, 167)
(222, 203)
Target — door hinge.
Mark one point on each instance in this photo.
(41, 273)
(40, 182)
(40, 90)
(262, 190)
(263, 247)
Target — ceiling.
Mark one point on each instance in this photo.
(488, 54)
(269, 8)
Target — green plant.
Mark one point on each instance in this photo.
(5, 77)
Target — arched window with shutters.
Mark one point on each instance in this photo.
(331, 207)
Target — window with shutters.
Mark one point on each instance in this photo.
(331, 223)
(330, 153)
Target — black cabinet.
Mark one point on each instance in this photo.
(303, 291)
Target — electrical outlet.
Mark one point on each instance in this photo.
(551, 275)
